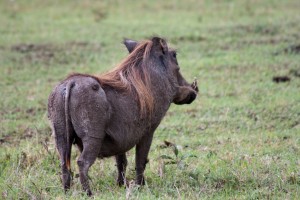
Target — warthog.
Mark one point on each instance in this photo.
(109, 114)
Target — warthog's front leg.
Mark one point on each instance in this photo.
(121, 165)
(141, 155)
(91, 148)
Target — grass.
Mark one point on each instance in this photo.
(243, 128)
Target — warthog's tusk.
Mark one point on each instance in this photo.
(195, 84)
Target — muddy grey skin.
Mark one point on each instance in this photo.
(104, 122)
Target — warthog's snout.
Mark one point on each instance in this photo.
(191, 97)
(186, 94)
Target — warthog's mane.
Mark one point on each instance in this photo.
(132, 75)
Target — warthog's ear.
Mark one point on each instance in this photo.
(160, 44)
(130, 44)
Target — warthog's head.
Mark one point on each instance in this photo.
(184, 93)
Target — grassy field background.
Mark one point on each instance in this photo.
(239, 140)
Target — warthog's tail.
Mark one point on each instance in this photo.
(68, 125)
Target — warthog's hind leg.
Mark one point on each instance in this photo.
(121, 165)
(64, 151)
(66, 176)
(91, 147)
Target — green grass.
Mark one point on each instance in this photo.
(244, 128)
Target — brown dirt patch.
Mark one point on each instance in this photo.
(47, 53)
(187, 38)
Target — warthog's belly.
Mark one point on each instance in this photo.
(108, 151)
(111, 147)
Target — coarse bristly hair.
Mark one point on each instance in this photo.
(132, 74)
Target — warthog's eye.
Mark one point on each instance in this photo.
(174, 54)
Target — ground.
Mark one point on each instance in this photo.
(239, 140)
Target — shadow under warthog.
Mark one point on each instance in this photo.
(110, 114)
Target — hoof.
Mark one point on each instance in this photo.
(89, 192)
(123, 182)
(120, 183)
(140, 182)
